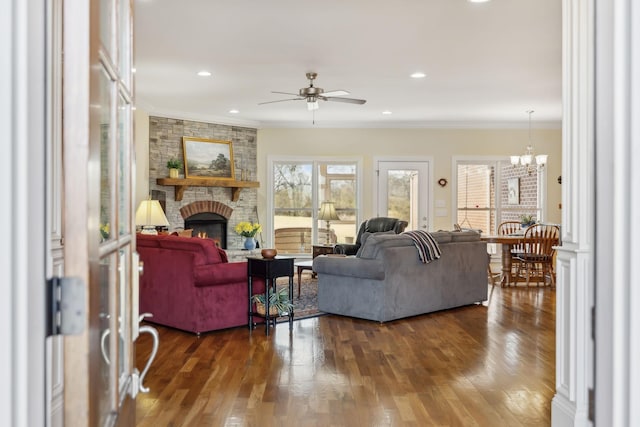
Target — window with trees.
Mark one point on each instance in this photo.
(300, 187)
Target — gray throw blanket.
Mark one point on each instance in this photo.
(428, 249)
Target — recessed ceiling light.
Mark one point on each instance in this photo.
(234, 111)
(204, 73)
(133, 70)
(478, 1)
(418, 75)
(386, 112)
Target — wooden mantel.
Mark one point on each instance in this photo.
(182, 184)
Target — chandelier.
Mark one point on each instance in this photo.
(527, 158)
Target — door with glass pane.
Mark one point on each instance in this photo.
(403, 192)
(100, 380)
(300, 187)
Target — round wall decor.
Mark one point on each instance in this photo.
(442, 182)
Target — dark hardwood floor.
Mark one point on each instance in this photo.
(482, 365)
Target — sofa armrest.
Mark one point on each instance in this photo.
(219, 274)
(345, 249)
(349, 266)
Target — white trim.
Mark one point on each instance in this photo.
(574, 263)
(271, 159)
(7, 356)
(617, 139)
(22, 260)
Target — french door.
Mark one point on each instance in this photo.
(403, 191)
(100, 381)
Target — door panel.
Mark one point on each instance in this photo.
(403, 192)
(99, 388)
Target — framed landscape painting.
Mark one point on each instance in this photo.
(513, 186)
(207, 158)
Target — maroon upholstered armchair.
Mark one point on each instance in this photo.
(188, 284)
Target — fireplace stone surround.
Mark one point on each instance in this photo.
(165, 142)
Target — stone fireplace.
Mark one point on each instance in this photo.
(215, 210)
(208, 219)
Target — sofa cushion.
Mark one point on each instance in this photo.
(383, 240)
(465, 236)
(366, 235)
(148, 240)
(441, 236)
(204, 250)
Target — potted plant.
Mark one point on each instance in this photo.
(174, 166)
(248, 230)
(527, 220)
(279, 302)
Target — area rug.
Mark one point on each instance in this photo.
(307, 304)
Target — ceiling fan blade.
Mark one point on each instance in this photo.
(281, 100)
(286, 93)
(338, 92)
(348, 100)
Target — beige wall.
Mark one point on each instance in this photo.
(440, 144)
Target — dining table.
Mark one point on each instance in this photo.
(507, 241)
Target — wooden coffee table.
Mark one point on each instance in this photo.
(303, 265)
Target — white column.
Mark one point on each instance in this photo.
(22, 180)
(574, 264)
(617, 296)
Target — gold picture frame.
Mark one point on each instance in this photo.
(208, 158)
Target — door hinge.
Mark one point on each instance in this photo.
(593, 324)
(66, 306)
(592, 405)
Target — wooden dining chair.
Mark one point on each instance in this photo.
(508, 228)
(538, 249)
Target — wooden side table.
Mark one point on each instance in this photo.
(269, 270)
(322, 250)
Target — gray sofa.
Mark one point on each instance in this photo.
(386, 280)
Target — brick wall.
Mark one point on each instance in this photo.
(476, 191)
(528, 193)
(165, 142)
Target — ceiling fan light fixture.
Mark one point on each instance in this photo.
(312, 95)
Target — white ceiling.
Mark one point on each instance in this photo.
(486, 63)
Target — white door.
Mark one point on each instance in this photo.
(404, 191)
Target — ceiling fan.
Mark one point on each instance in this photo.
(313, 94)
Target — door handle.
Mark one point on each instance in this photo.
(154, 351)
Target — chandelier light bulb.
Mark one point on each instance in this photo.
(527, 158)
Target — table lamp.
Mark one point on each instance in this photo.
(328, 213)
(150, 215)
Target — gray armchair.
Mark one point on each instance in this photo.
(373, 225)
